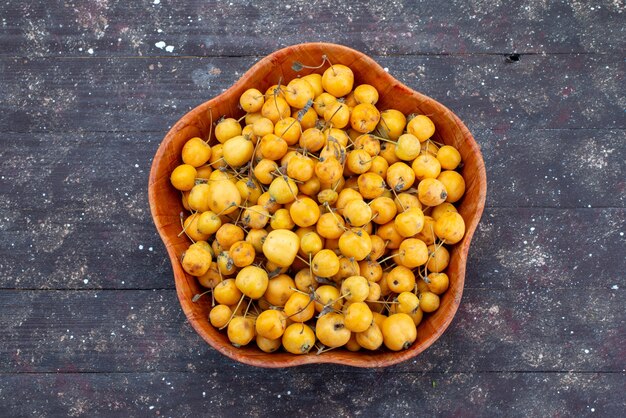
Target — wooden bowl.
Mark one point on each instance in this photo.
(165, 202)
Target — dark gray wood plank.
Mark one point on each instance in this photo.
(241, 28)
(87, 91)
(535, 329)
(512, 249)
(546, 248)
(75, 206)
(124, 95)
(544, 168)
(331, 392)
(555, 167)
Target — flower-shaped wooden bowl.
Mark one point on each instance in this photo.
(165, 201)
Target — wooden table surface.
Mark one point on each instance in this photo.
(89, 319)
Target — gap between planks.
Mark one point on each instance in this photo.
(412, 54)
(559, 208)
(164, 131)
(260, 370)
(173, 288)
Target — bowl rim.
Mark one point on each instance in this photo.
(374, 360)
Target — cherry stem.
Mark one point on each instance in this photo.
(295, 197)
(331, 65)
(239, 214)
(255, 309)
(233, 314)
(387, 258)
(247, 307)
(303, 309)
(299, 291)
(276, 90)
(432, 254)
(226, 208)
(287, 128)
(253, 210)
(386, 126)
(330, 210)
(332, 302)
(310, 67)
(324, 350)
(184, 231)
(197, 297)
(399, 201)
(303, 260)
(250, 165)
(217, 161)
(380, 138)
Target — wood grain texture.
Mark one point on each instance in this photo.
(495, 330)
(588, 174)
(85, 94)
(546, 247)
(213, 28)
(314, 394)
(560, 168)
(149, 95)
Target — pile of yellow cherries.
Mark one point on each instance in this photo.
(318, 221)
